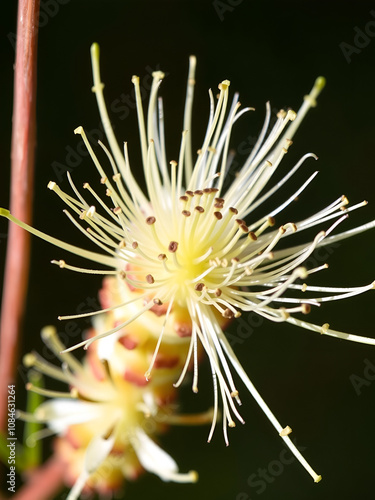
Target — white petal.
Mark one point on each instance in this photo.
(156, 460)
(96, 452)
(59, 414)
(152, 457)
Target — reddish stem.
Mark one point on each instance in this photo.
(44, 482)
(22, 168)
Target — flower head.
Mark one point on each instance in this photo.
(189, 250)
(106, 422)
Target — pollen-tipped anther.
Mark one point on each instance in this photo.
(286, 431)
(173, 246)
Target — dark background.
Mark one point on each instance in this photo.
(270, 51)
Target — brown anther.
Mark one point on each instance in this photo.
(162, 256)
(218, 205)
(117, 210)
(211, 149)
(199, 287)
(282, 230)
(150, 220)
(244, 228)
(157, 302)
(207, 190)
(228, 314)
(184, 198)
(103, 180)
(234, 260)
(190, 193)
(150, 279)
(199, 209)
(306, 308)
(122, 244)
(220, 200)
(253, 236)
(135, 245)
(240, 222)
(198, 192)
(218, 215)
(172, 247)
(271, 221)
(122, 275)
(233, 210)
(218, 292)
(186, 213)
(269, 163)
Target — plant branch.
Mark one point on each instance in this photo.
(22, 169)
(44, 483)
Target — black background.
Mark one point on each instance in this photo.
(270, 51)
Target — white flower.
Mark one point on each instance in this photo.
(192, 243)
(104, 423)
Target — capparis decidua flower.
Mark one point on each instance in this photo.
(189, 249)
(106, 422)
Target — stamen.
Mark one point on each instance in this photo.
(148, 372)
(63, 265)
(36, 436)
(100, 258)
(86, 343)
(203, 257)
(101, 311)
(51, 339)
(51, 394)
(194, 419)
